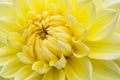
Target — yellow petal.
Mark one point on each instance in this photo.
(25, 58)
(117, 28)
(20, 9)
(5, 59)
(23, 72)
(57, 6)
(78, 29)
(52, 47)
(98, 4)
(113, 4)
(104, 24)
(11, 68)
(7, 9)
(48, 55)
(78, 69)
(65, 48)
(54, 74)
(105, 70)
(1, 78)
(34, 76)
(117, 61)
(15, 40)
(41, 67)
(37, 5)
(7, 50)
(1, 44)
(61, 63)
(107, 49)
(9, 26)
(80, 49)
(86, 11)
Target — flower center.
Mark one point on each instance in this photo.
(48, 42)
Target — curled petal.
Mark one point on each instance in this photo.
(61, 63)
(78, 30)
(80, 49)
(41, 67)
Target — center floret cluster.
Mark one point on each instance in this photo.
(49, 42)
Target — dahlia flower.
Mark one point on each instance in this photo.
(60, 39)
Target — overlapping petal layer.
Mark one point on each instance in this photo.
(60, 39)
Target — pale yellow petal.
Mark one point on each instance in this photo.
(61, 63)
(105, 70)
(107, 49)
(117, 28)
(41, 67)
(48, 55)
(6, 0)
(25, 58)
(34, 76)
(1, 44)
(7, 9)
(80, 49)
(98, 4)
(6, 59)
(7, 50)
(86, 11)
(11, 68)
(104, 24)
(79, 32)
(54, 74)
(15, 40)
(1, 78)
(78, 69)
(64, 47)
(37, 5)
(112, 4)
(7, 53)
(23, 72)
(20, 9)
(117, 61)
(7, 25)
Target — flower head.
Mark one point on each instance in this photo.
(59, 39)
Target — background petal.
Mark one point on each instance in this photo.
(86, 11)
(104, 24)
(7, 9)
(105, 70)
(107, 49)
(78, 69)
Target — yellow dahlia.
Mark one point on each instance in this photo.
(60, 39)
